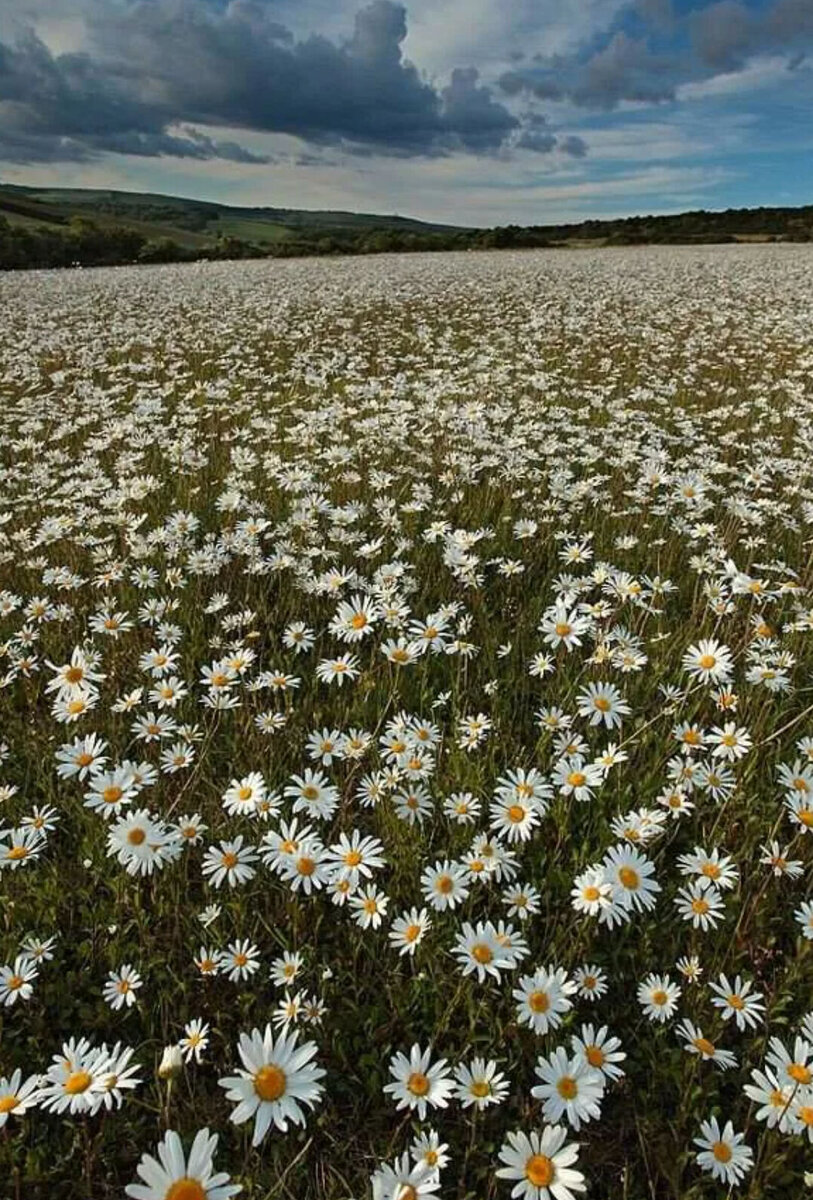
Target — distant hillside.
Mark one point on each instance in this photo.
(191, 222)
(51, 227)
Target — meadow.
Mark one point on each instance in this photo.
(406, 708)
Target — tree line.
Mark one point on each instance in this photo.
(83, 242)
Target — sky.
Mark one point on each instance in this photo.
(472, 112)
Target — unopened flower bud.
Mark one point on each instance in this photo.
(171, 1062)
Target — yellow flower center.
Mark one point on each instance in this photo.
(8, 1103)
(800, 1073)
(736, 1002)
(270, 1082)
(482, 953)
(659, 997)
(352, 858)
(112, 795)
(74, 675)
(78, 1081)
(136, 836)
(411, 933)
(305, 865)
(229, 859)
(539, 1170)
(539, 1002)
(516, 813)
(602, 704)
(722, 1152)
(567, 1088)
(577, 779)
(704, 1046)
(186, 1189)
(594, 1055)
(629, 878)
(562, 629)
(480, 1088)
(707, 661)
(17, 852)
(418, 1084)
(358, 620)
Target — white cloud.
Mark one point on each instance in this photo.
(760, 72)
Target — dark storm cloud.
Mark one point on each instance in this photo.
(719, 37)
(624, 69)
(156, 64)
(479, 122)
(727, 32)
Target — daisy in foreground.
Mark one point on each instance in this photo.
(279, 1078)
(417, 1084)
(542, 1164)
(723, 1153)
(172, 1177)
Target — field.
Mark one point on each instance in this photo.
(409, 652)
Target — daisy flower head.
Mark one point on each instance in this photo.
(276, 1080)
(174, 1175)
(408, 931)
(632, 876)
(76, 1080)
(658, 996)
(709, 661)
(230, 863)
(121, 987)
(444, 885)
(695, 1043)
(428, 1151)
(479, 949)
(336, 670)
(723, 1152)
(16, 1096)
(804, 918)
(700, 903)
(602, 704)
(569, 1087)
(599, 1049)
(417, 1083)
(592, 891)
(404, 1180)
(540, 1165)
(17, 980)
(544, 997)
(195, 1039)
(480, 1084)
(591, 982)
(737, 1000)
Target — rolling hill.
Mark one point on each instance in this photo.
(56, 227)
(192, 223)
